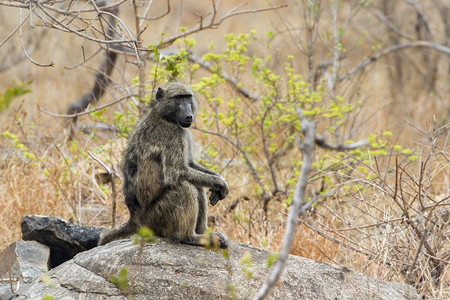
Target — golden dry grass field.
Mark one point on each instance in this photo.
(377, 228)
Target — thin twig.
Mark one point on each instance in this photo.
(9, 270)
(214, 24)
(422, 16)
(51, 64)
(87, 111)
(323, 144)
(15, 30)
(141, 70)
(63, 27)
(413, 264)
(113, 187)
(336, 50)
(144, 17)
(388, 23)
(252, 168)
(207, 66)
(84, 60)
(376, 56)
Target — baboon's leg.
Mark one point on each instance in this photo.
(202, 218)
(199, 238)
(124, 231)
(175, 213)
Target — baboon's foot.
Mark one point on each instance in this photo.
(218, 240)
(213, 240)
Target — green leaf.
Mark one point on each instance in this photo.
(246, 260)
(16, 90)
(273, 257)
(121, 281)
(47, 280)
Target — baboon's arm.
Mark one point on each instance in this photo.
(200, 178)
(216, 194)
(217, 184)
(201, 168)
(176, 169)
(192, 163)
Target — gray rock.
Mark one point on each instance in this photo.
(21, 262)
(26, 260)
(64, 239)
(168, 270)
(5, 291)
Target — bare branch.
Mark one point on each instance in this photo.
(84, 60)
(307, 148)
(144, 17)
(214, 24)
(413, 264)
(51, 64)
(15, 30)
(323, 144)
(61, 26)
(422, 16)
(206, 65)
(33, 43)
(375, 57)
(89, 128)
(244, 154)
(113, 187)
(299, 204)
(87, 111)
(139, 31)
(13, 4)
(102, 79)
(336, 51)
(389, 24)
(100, 162)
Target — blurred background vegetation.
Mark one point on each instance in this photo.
(361, 70)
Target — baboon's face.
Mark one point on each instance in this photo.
(176, 104)
(185, 114)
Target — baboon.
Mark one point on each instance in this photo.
(163, 184)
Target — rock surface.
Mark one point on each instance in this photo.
(168, 270)
(21, 262)
(64, 239)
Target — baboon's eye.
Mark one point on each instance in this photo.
(181, 96)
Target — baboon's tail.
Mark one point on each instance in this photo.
(122, 232)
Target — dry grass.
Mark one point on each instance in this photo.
(62, 180)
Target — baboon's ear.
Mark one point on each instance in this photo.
(159, 94)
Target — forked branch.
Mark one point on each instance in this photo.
(102, 78)
(299, 204)
(388, 50)
(214, 22)
(307, 148)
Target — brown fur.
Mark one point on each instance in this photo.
(163, 184)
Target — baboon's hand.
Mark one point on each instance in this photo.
(215, 196)
(218, 193)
